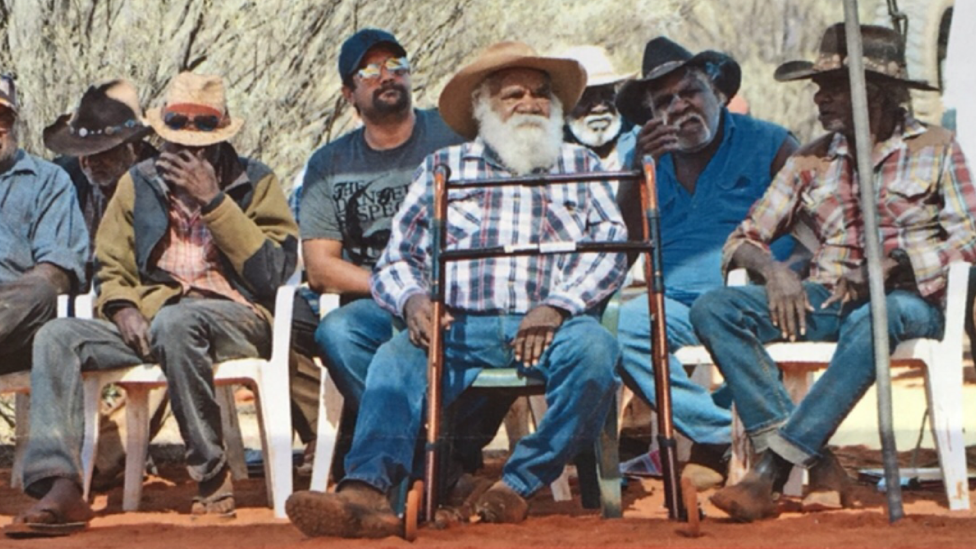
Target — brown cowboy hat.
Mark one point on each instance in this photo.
(568, 81)
(190, 97)
(663, 56)
(107, 116)
(884, 57)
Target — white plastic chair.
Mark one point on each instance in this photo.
(19, 384)
(268, 378)
(941, 359)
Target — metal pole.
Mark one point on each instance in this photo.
(872, 245)
(435, 351)
(659, 346)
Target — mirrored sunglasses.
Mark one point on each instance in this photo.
(397, 66)
(200, 122)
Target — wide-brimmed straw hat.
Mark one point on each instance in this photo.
(662, 56)
(107, 116)
(567, 76)
(596, 61)
(194, 95)
(884, 57)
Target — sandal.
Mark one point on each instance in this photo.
(56, 527)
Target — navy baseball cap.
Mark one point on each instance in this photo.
(356, 46)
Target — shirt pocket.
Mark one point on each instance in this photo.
(465, 213)
(908, 198)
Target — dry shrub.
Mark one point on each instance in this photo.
(279, 57)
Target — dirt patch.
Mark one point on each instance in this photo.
(163, 521)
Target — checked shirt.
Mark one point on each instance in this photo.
(483, 217)
(925, 199)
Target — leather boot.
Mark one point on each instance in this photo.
(830, 487)
(752, 498)
(357, 511)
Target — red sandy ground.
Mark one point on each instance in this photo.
(163, 522)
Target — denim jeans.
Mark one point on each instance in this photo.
(578, 368)
(695, 413)
(347, 338)
(734, 323)
(25, 305)
(186, 338)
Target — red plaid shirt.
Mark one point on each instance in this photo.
(926, 203)
(189, 253)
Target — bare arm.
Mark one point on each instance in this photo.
(328, 272)
(789, 146)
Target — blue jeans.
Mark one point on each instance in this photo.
(347, 338)
(734, 324)
(695, 413)
(186, 338)
(578, 368)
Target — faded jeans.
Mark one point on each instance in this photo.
(578, 368)
(348, 339)
(695, 413)
(186, 338)
(734, 324)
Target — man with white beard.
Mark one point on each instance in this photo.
(595, 121)
(534, 313)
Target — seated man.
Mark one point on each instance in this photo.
(352, 188)
(530, 312)
(926, 201)
(98, 143)
(711, 166)
(188, 281)
(595, 121)
(43, 242)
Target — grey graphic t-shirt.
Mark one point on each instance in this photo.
(352, 191)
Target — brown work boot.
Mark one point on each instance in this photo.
(752, 498)
(830, 487)
(501, 504)
(708, 465)
(357, 511)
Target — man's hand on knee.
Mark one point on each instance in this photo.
(135, 331)
(536, 332)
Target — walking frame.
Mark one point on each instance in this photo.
(659, 358)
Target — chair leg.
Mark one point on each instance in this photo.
(92, 404)
(276, 435)
(797, 384)
(608, 466)
(560, 486)
(327, 433)
(136, 444)
(231, 427)
(21, 432)
(944, 382)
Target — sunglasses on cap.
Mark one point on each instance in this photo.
(397, 66)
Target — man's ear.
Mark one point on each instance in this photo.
(347, 93)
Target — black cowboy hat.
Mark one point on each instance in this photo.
(884, 57)
(662, 56)
(107, 116)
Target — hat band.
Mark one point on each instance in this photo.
(108, 130)
(833, 61)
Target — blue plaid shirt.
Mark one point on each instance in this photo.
(484, 217)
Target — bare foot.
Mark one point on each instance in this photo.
(62, 504)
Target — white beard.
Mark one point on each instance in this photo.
(596, 130)
(524, 142)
